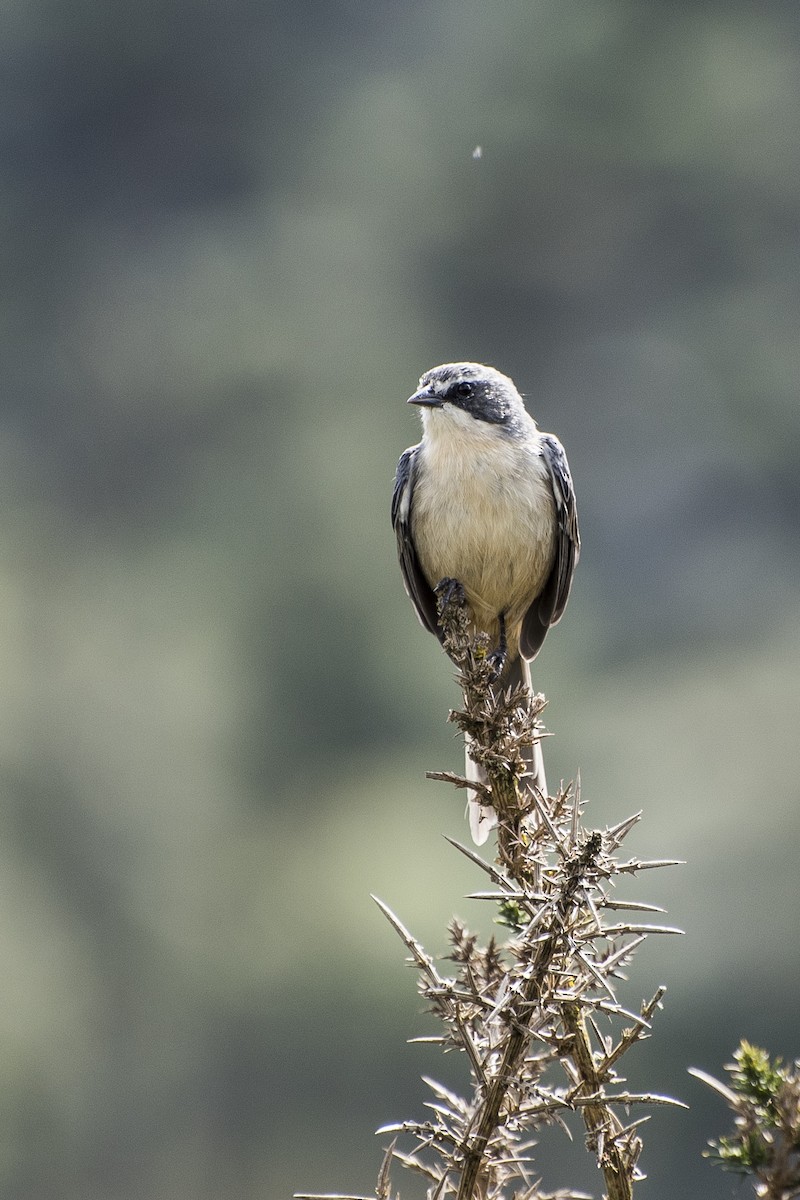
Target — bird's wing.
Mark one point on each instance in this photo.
(416, 584)
(551, 602)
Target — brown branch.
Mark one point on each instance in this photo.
(520, 1008)
(616, 1153)
(518, 1038)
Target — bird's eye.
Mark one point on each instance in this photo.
(464, 389)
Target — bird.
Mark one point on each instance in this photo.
(486, 499)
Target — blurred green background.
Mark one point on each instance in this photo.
(234, 235)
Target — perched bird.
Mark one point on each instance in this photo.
(487, 500)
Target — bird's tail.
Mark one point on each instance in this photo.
(482, 818)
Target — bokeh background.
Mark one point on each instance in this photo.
(234, 235)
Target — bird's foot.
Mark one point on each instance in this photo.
(454, 620)
(450, 591)
(499, 656)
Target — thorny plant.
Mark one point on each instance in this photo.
(531, 1014)
(764, 1097)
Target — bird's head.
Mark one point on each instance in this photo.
(464, 393)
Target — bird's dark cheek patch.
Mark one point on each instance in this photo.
(489, 413)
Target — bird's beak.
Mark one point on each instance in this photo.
(426, 398)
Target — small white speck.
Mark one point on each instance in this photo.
(477, 152)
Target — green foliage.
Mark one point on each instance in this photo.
(764, 1096)
(759, 1080)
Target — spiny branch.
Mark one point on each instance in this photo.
(527, 1011)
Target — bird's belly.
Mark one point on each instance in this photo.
(494, 534)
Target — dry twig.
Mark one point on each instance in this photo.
(525, 1012)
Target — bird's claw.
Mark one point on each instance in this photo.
(450, 591)
(497, 662)
(499, 656)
